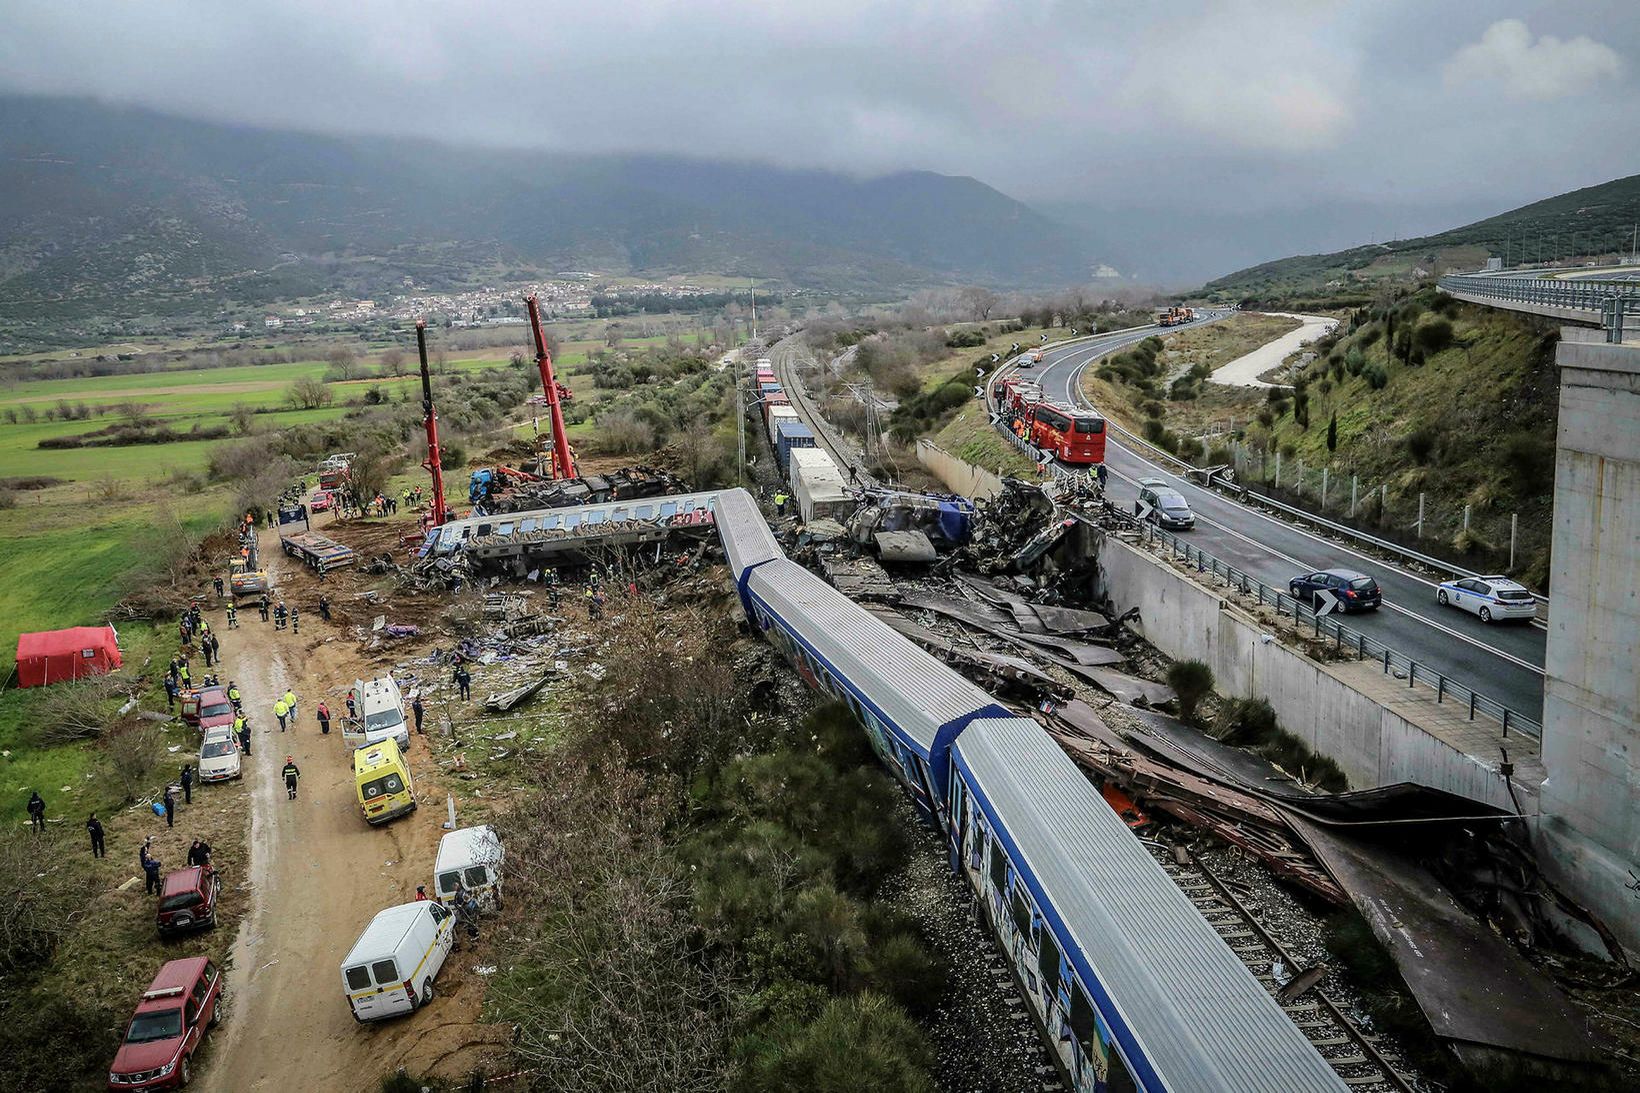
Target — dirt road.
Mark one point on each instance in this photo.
(319, 873)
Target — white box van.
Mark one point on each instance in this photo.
(381, 714)
(470, 857)
(391, 968)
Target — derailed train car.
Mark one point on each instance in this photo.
(1114, 961)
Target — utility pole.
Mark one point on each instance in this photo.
(740, 418)
(754, 310)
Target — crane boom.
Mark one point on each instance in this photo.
(563, 463)
(429, 421)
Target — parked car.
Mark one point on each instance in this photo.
(207, 708)
(1168, 508)
(187, 901)
(321, 501)
(1492, 598)
(1355, 591)
(168, 1026)
(391, 968)
(219, 756)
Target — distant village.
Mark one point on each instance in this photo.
(568, 297)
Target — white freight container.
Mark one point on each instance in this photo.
(820, 485)
(777, 414)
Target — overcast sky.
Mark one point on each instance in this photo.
(1257, 105)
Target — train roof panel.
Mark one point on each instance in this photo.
(911, 689)
(747, 540)
(1191, 1008)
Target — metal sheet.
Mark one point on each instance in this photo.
(1128, 688)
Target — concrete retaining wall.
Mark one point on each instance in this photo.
(1341, 711)
(959, 475)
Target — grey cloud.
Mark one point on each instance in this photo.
(1222, 105)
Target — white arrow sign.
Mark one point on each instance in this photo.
(1043, 458)
(1016, 347)
(979, 370)
(1325, 602)
(995, 419)
(1044, 337)
(995, 358)
(1142, 509)
(979, 392)
(1073, 331)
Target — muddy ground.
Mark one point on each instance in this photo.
(318, 872)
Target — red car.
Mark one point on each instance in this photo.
(207, 708)
(188, 900)
(321, 501)
(168, 1027)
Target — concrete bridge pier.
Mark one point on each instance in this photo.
(1590, 805)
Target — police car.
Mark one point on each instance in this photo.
(1492, 598)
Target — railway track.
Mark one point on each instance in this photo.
(1362, 1061)
(785, 356)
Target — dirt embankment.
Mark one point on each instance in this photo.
(319, 873)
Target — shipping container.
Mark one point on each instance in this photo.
(791, 434)
(820, 486)
(774, 417)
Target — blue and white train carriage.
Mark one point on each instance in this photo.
(1115, 962)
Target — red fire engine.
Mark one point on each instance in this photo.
(1071, 436)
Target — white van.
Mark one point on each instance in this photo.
(381, 714)
(470, 857)
(391, 968)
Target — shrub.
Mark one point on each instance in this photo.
(1376, 376)
(1192, 681)
(862, 1041)
(1433, 335)
(1530, 460)
(1153, 430)
(1421, 443)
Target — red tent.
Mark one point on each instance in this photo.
(52, 656)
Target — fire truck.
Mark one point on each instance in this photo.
(1072, 436)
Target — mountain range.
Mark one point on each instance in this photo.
(125, 213)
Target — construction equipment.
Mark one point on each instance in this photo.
(429, 420)
(563, 463)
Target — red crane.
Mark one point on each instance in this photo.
(563, 463)
(429, 420)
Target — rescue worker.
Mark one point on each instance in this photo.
(324, 718)
(170, 803)
(279, 711)
(94, 828)
(417, 709)
(185, 676)
(279, 616)
(464, 681)
(290, 704)
(171, 692)
(233, 696)
(216, 583)
(295, 620)
(421, 893)
(243, 728)
(352, 708)
(187, 780)
(291, 773)
(233, 616)
(262, 605)
(324, 604)
(37, 811)
(150, 870)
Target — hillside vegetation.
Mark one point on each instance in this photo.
(1414, 394)
(1594, 224)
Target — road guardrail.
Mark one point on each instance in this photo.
(1344, 637)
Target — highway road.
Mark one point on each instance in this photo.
(1502, 661)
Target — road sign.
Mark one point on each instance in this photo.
(1043, 458)
(979, 392)
(979, 370)
(1325, 602)
(994, 419)
(1016, 347)
(995, 357)
(1143, 509)
(1044, 337)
